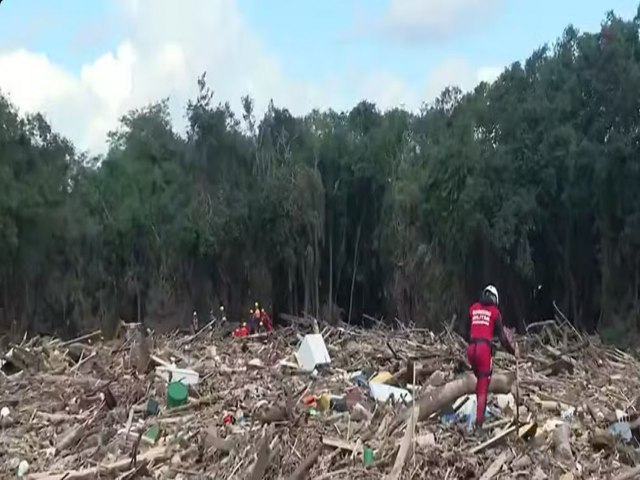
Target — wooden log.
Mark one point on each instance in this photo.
(306, 465)
(88, 336)
(70, 438)
(602, 440)
(262, 462)
(406, 374)
(525, 431)
(437, 399)
(156, 454)
(562, 443)
(403, 451)
(496, 466)
(273, 414)
(342, 444)
(595, 413)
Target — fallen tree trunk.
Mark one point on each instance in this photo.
(438, 399)
(441, 397)
(306, 465)
(496, 466)
(562, 443)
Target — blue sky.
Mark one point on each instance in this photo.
(318, 29)
(314, 28)
(304, 53)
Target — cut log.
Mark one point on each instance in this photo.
(57, 418)
(341, 444)
(403, 452)
(262, 462)
(70, 438)
(496, 466)
(437, 378)
(602, 440)
(525, 431)
(88, 336)
(155, 454)
(562, 443)
(437, 399)
(306, 465)
(595, 413)
(406, 374)
(272, 414)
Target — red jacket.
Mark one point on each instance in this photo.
(267, 322)
(485, 320)
(240, 331)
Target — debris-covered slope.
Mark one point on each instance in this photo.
(79, 410)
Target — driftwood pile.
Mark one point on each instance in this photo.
(76, 410)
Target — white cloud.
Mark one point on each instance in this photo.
(458, 72)
(429, 20)
(489, 74)
(168, 48)
(388, 91)
(110, 77)
(33, 80)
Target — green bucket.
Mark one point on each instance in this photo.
(367, 455)
(177, 394)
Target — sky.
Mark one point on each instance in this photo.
(85, 63)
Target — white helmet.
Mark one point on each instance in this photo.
(493, 292)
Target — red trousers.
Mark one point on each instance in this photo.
(479, 356)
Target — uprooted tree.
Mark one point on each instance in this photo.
(531, 180)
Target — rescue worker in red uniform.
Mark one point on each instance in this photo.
(266, 321)
(242, 331)
(485, 319)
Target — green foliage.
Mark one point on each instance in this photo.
(531, 180)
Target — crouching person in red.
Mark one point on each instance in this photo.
(242, 331)
(485, 319)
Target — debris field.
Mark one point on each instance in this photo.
(392, 404)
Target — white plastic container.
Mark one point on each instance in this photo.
(312, 352)
(382, 392)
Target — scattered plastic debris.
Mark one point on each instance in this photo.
(313, 352)
(622, 430)
(257, 404)
(23, 468)
(382, 392)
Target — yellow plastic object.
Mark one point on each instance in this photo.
(324, 402)
(382, 377)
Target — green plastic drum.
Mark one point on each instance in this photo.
(368, 456)
(177, 394)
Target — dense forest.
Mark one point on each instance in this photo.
(530, 182)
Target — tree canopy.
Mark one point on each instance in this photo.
(528, 182)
